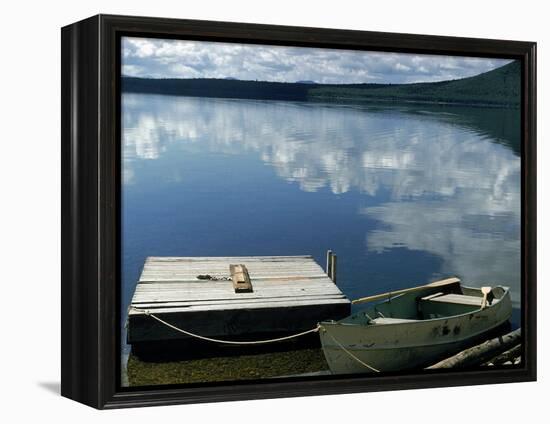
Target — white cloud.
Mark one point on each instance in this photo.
(192, 59)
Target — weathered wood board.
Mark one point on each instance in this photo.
(241, 279)
(290, 294)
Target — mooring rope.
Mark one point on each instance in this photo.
(351, 354)
(255, 342)
(232, 342)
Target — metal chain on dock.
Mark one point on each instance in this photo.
(232, 342)
(212, 278)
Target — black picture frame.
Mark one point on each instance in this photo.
(90, 135)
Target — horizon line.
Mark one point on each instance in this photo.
(310, 82)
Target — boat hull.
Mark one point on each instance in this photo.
(410, 344)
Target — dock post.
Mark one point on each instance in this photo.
(333, 268)
(329, 262)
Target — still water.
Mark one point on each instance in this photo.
(403, 194)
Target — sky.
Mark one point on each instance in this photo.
(159, 58)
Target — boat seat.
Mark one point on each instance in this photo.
(385, 320)
(457, 299)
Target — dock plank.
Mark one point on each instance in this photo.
(289, 293)
(243, 305)
(252, 302)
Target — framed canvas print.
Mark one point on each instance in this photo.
(255, 211)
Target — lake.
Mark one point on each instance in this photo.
(403, 194)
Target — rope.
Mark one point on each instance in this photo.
(232, 342)
(255, 342)
(351, 354)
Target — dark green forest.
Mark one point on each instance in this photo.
(225, 88)
(500, 87)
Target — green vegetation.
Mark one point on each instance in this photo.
(500, 87)
(225, 88)
(229, 368)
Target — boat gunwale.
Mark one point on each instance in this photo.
(413, 321)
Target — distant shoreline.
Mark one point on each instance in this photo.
(390, 100)
(497, 88)
(343, 101)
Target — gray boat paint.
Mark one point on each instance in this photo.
(400, 340)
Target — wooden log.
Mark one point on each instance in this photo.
(241, 279)
(509, 355)
(481, 353)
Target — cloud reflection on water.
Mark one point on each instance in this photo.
(434, 183)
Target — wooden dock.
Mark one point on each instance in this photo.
(282, 295)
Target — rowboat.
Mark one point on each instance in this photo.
(413, 328)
